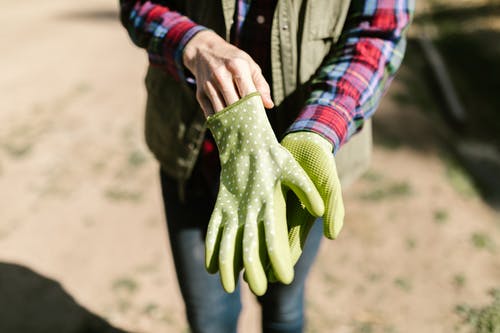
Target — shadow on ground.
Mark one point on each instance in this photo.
(32, 303)
(468, 39)
(422, 116)
(97, 15)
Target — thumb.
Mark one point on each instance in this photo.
(262, 87)
(297, 180)
(333, 220)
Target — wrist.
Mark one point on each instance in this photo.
(199, 42)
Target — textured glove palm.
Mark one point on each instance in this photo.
(314, 154)
(248, 224)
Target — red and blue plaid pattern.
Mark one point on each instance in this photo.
(348, 86)
(163, 32)
(346, 89)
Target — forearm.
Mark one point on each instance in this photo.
(163, 32)
(347, 88)
(222, 73)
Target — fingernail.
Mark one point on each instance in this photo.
(270, 101)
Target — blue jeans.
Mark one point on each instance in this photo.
(209, 308)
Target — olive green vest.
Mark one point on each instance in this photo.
(302, 33)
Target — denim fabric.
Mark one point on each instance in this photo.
(209, 308)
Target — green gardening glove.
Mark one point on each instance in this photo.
(314, 154)
(248, 225)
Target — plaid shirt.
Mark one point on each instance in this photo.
(347, 87)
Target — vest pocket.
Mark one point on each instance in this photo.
(326, 18)
(322, 18)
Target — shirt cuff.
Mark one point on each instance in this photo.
(329, 121)
(174, 33)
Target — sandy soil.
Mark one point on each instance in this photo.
(80, 201)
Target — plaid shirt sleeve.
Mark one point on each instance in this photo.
(161, 31)
(347, 88)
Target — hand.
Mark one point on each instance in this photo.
(248, 225)
(314, 154)
(223, 73)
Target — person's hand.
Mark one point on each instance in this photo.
(223, 73)
(314, 154)
(248, 226)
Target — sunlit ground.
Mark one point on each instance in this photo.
(82, 236)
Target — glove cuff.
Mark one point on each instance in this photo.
(301, 138)
(243, 123)
(217, 122)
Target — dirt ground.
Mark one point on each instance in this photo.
(82, 234)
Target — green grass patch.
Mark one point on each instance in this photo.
(390, 191)
(151, 310)
(403, 284)
(482, 240)
(459, 280)
(372, 176)
(126, 284)
(459, 179)
(372, 327)
(18, 149)
(364, 327)
(411, 243)
(120, 194)
(440, 216)
(136, 158)
(375, 277)
(485, 319)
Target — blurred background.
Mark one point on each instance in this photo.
(83, 245)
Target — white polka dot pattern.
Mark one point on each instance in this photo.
(248, 225)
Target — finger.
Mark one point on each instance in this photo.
(264, 258)
(333, 220)
(226, 86)
(263, 255)
(299, 223)
(262, 86)
(242, 76)
(238, 254)
(254, 271)
(214, 96)
(212, 241)
(271, 276)
(227, 254)
(297, 180)
(277, 237)
(205, 104)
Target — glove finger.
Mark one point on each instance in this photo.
(333, 220)
(238, 254)
(212, 241)
(277, 237)
(299, 225)
(227, 254)
(297, 246)
(297, 180)
(264, 258)
(252, 249)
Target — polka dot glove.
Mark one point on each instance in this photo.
(314, 154)
(248, 227)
